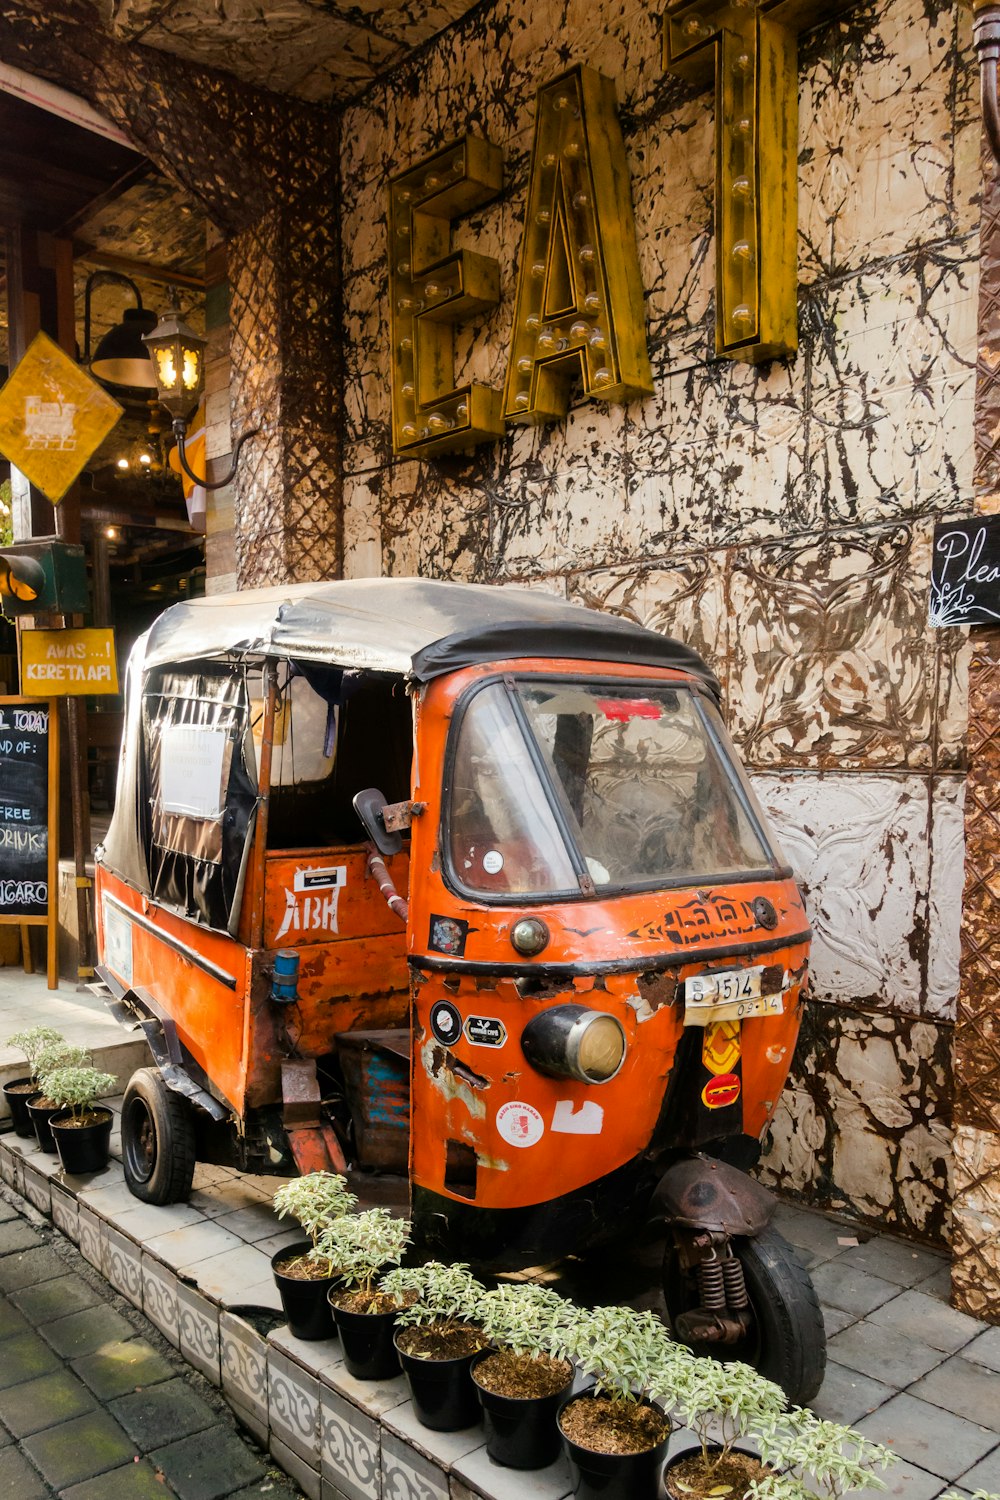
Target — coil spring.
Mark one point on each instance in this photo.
(711, 1284)
(735, 1283)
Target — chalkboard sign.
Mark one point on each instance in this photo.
(24, 809)
(965, 572)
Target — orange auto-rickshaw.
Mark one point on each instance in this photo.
(463, 891)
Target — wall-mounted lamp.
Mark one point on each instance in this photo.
(120, 358)
(178, 359)
(986, 37)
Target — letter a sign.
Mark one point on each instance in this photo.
(579, 297)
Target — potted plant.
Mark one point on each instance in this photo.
(361, 1246)
(614, 1436)
(302, 1272)
(41, 1106)
(82, 1132)
(724, 1406)
(522, 1381)
(437, 1339)
(18, 1090)
(809, 1458)
(795, 1455)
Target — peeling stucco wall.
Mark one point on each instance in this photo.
(779, 518)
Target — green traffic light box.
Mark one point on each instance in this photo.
(64, 569)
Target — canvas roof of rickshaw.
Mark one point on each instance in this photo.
(417, 627)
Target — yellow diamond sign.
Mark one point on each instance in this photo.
(53, 417)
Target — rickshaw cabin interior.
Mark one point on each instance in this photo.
(333, 733)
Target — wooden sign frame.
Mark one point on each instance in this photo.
(51, 919)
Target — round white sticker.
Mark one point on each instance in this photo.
(520, 1124)
(493, 861)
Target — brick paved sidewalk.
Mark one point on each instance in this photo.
(94, 1403)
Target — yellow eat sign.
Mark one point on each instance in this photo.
(53, 417)
(76, 662)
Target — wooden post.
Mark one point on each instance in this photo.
(53, 918)
(68, 528)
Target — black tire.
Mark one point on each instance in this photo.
(158, 1140)
(786, 1340)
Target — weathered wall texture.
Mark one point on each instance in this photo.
(779, 518)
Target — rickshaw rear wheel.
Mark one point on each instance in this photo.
(786, 1340)
(158, 1140)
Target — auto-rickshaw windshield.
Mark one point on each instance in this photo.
(630, 785)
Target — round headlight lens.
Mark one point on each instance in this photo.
(572, 1041)
(601, 1049)
(529, 936)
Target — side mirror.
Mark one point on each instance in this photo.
(370, 806)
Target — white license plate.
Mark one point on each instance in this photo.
(728, 995)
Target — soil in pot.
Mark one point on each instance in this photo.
(689, 1477)
(520, 1396)
(366, 1322)
(615, 1448)
(303, 1285)
(41, 1111)
(436, 1360)
(18, 1091)
(83, 1141)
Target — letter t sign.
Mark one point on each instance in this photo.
(748, 48)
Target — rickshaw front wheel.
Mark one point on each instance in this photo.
(786, 1339)
(158, 1140)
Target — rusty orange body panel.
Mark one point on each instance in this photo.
(202, 978)
(353, 970)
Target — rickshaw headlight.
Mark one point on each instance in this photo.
(571, 1041)
(529, 936)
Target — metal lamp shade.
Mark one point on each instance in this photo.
(121, 358)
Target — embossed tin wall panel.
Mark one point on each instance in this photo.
(884, 131)
(860, 846)
(863, 1126)
(987, 469)
(834, 662)
(975, 1272)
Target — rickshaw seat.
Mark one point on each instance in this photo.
(313, 1141)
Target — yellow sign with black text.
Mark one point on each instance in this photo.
(81, 663)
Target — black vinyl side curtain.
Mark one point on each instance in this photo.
(201, 792)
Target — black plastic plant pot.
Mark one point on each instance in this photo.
(613, 1476)
(309, 1314)
(688, 1451)
(521, 1432)
(40, 1115)
(82, 1148)
(443, 1395)
(367, 1341)
(17, 1097)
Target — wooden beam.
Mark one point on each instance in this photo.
(42, 177)
(121, 185)
(133, 267)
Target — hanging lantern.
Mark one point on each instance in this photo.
(178, 356)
